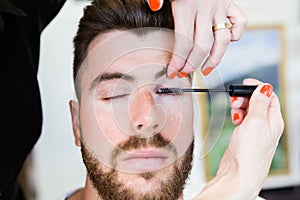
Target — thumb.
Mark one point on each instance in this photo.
(260, 100)
(155, 5)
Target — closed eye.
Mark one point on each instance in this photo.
(114, 97)
(168, 94)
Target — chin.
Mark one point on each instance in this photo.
(147, 181)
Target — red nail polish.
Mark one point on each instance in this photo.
(182, 74)
(267, 90)
(155, 5)
(236, 116)
(233, 99)
(171, 76)
(207, 71)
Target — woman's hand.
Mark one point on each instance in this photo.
(193, 46)
(247, 160)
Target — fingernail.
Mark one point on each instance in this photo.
(233, 99)
(236, 116)
(267, 90)
(172, 75)
(182, 74)
(155, 5)
(207, 71)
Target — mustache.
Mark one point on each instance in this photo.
(135, 142)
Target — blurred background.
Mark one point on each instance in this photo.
(55, 165)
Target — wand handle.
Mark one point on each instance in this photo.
(239, 90)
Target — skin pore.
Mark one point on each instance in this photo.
(136, 144)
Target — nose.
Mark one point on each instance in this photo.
(147, 117)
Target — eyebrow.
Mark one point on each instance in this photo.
(118, 75)
(109, 76)
(161, 73)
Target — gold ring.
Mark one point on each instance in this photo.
(221, 26)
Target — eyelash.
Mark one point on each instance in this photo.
(169, 94)
(123, 95)
(114, 97)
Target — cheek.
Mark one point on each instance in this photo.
(179, 123)
(178, 110)
(99, 131)
(113, 124)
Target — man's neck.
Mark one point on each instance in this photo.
(89, 192)
(86, 193)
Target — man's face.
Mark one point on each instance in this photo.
(134, 141)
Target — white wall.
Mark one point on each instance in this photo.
(58, 162)
(58, 166)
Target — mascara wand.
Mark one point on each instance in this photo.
(237, 90)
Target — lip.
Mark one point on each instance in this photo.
(144, 160)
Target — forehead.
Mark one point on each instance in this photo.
(123, 51)
(142, 61)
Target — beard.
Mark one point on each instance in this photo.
(110, 186)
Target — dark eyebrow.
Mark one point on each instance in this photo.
(109, 76)
(161, 73)
(164, 72)
(118, 75)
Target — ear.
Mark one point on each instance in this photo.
(74, 109)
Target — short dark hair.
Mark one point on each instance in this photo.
(103, 16)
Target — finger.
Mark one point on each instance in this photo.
(222, 39)
(275, 116)
(202, 45)
(260, 101)
(243, 102)
(237, 116)
(274, 111)
(155, 5)
(239, 102)
(184, 19)
(238, 20)
(251, 81)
